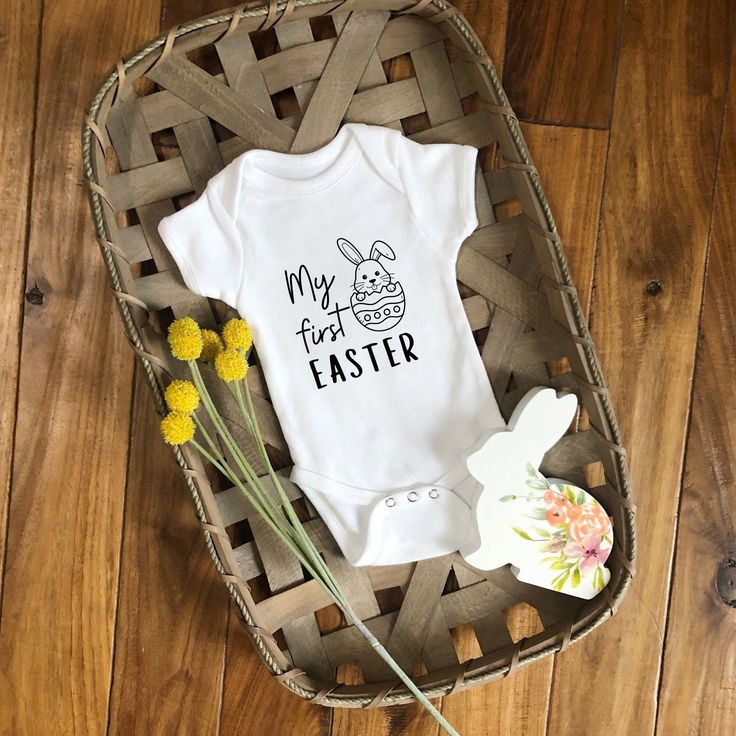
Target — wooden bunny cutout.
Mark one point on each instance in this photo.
(553, 534)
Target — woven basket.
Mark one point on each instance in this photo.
(285, 76)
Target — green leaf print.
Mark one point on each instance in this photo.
(558, 583)
(570, 494)
(598, 582)
(522, 533)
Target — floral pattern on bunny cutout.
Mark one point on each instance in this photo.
(571, 527)
(378, 301)
(551, 533)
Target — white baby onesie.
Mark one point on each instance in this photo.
(343, 262)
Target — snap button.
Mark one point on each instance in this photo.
(390, 501)
(434, 493)
(412, 496)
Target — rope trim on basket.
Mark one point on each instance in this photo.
(380, 695)
(444, 12)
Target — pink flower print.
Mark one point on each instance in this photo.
(557, 515)
(591, 522)
(589, 553)
(556, 544)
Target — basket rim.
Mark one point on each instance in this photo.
(296, 680)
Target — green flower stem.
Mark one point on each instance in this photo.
(345, 605)
(233, 477)
(291, 531)
(296, 522)
(264, 500)
(206, 435)
(238, 396)
(214, 461)
(242, 462)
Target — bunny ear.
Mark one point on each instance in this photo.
(379, 248)
(349, 251)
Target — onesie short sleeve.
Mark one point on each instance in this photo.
(439, 181)
(205, 244)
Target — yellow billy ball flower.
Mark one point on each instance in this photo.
(182, 396)
(211, 345)
(177, 428)
(231, 365)
(237, 334)
(185, 339)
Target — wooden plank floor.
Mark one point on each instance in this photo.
(112, 618)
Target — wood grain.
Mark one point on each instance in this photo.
(17, 116)
(172, 606)
(66, 471)
(561, 60)
(74, 392)
(254, 703)
(700, 619)
(572, 162)
(655, 217)
(572, 165)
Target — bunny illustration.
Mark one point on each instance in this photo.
(378, 301)
(553, 534)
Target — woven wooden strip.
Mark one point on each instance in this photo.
(133, 243)
(295, 66)
(539, 347)
(164, 110)
(295, 34)
(249, 561)
(475, 602)
(199, 152)
(165, 179)
(483, 205)
(551, 607)
(235, 507)
(339, 80)
(129, 134)
(283, 570)
(439, 93)
(349, 645)
(373, 76)
(356, 584)
(496, 241)
(281, 567)
(163, 289)
(477, 311)
(405, 34)
(439, 649)
(386, 104)
(471, 130)
(306, 647)
(214, 98)
(291, 604)
(391, 576)
(505, 326)
(148, 184)
(422, 597)
(503, 288)
(499, 185)
(243, 72)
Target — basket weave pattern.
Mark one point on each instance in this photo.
(284, 77)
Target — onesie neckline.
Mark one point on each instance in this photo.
(315, 170)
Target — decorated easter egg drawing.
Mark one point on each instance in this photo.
(378, 301)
